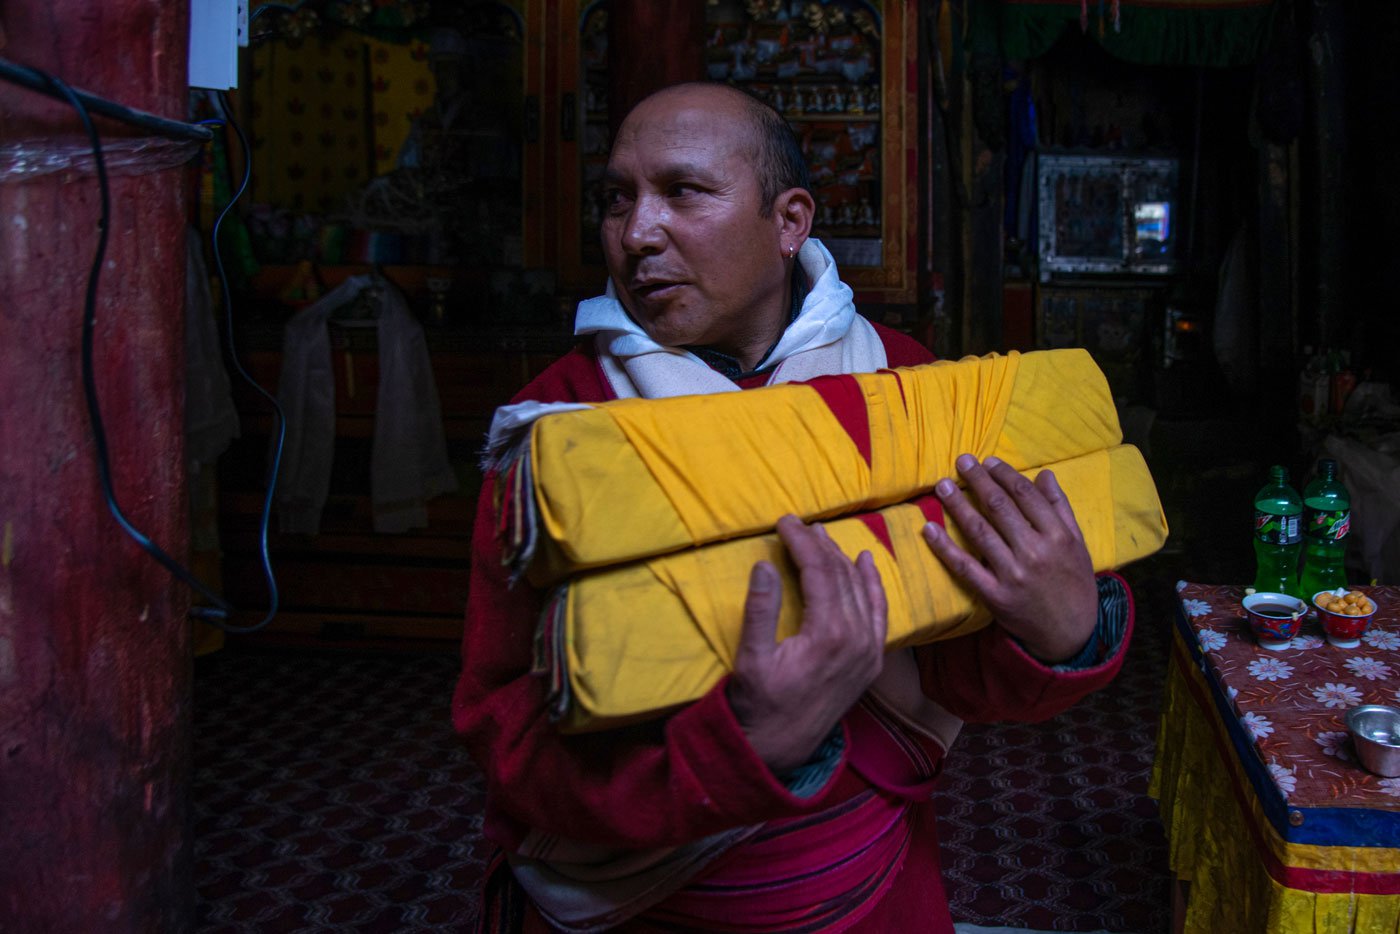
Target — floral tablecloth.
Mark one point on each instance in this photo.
(1268, 814)
(1293, 701)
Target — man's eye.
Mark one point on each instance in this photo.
(682, 189)
(614, 200)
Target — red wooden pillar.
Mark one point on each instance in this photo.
(94, 645)
(651, 43)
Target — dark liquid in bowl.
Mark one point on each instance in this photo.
(1273, 609)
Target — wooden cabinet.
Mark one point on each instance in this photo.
(845, 80)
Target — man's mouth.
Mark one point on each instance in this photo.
(654, 288)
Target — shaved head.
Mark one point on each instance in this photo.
(777, 155)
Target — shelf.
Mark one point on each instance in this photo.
(833, 118)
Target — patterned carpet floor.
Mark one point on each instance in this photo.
(1048, 826)
(331, 795)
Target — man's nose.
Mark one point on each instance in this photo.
(645, 230)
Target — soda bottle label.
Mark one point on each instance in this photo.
(1329, 526)
(1272, 529)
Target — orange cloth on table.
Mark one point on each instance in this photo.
(635, 478)
(636, 640)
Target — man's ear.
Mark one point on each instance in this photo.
(793, 210)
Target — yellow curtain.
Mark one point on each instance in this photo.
(401, 87)
(309, 127)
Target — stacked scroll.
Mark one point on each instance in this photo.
(647, 516)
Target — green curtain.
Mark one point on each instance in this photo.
(1214, 33)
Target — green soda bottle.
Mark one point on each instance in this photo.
(1278, 536)
(1326, 523)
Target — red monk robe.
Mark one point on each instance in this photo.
(863, 845)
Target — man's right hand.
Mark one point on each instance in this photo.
(788, 696)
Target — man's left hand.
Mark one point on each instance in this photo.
(1035, 574)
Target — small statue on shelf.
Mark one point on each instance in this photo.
(845, 217)
(595, 99)
(835, 100)
(797, 100)
(764, 9)
(854, 66)
(865, 214)
(862, 135)
(865, 23)
(438, 287)
(743, 67)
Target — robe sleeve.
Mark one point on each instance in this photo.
(987, 676)
(660, 783)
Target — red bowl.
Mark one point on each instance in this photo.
(1344, 630)
(1274, 618)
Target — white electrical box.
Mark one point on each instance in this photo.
(217, 29)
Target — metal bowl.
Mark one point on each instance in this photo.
(1375, 731)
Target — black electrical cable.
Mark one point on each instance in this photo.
(39, 81)
(279, 418)
(279, 7)
(221, 608)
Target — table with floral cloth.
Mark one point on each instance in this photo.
(1270, 819)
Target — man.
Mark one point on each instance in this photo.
(795, 795)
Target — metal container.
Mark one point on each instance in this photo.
(1375, 731)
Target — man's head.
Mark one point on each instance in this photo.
(705, 208)
(778, 157)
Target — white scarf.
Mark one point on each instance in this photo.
(408, 457)
(827, 337)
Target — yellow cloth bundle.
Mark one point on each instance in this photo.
(635, 478)
(635, 640)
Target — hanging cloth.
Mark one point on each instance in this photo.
(408, 461)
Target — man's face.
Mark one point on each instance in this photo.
(692, 259)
